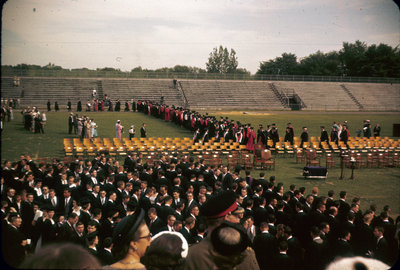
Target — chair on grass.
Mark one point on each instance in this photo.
(330, 161)
(311, 157)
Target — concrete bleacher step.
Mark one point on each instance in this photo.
(36, 91)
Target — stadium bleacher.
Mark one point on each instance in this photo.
(208, 94)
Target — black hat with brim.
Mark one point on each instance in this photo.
(219, 205)
(127, 227)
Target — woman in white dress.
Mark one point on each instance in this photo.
(93, 127)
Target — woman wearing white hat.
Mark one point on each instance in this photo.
(118, 129)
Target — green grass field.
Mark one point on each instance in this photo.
(379, 186)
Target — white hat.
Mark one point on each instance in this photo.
(349, 263)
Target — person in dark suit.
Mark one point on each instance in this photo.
(156, 224)
(85, 215)
(130, 162)
(347, 225)
(363, 239)
(79, 236)
(294, 247)
(227, 179)
(179, 211)
(107, 224)
(166, 209)
(162, 181)
(265, 247)
(344, 135)
(111, 203)
(144, 201)
(381, 251)
(105, 254)
(67, 231)
(69, 105)
(66, 202)
(49, 227)
(389, 232)
(315, 251)
(44, 197)
(344, 207)
(304, 137)
(341, 247)
(70, 123)
(317, 216)
(13, 242)
(260, 213)
(143, 132)
(269, 193)
(281, 216)
(190, 223)
(324, 136)
(201, 229)
(94, 197)
(27, 215)
(282, 260)
(191, 202)
(55, 202)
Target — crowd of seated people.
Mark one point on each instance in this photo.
(83, 202)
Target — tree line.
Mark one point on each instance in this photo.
(353, 59)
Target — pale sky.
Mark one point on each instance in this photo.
(163, 33)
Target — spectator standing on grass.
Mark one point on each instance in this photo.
(304, 136)
(118, 129)
(377, 130)
(251, 136)
(132, 132)
(324, 136)
(56, 108)
(70, 122)
(79, 127)
(43, 120)
(48, 106)
(367, 129)
(334, 133)
(143, 132)
(93, 127)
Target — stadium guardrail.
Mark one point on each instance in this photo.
(197, 76)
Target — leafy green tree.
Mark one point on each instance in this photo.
(222, 61)
(137, 69)
(352, 57)
(383, 61)
(51, 66)
(283, 65)
(321, 64)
